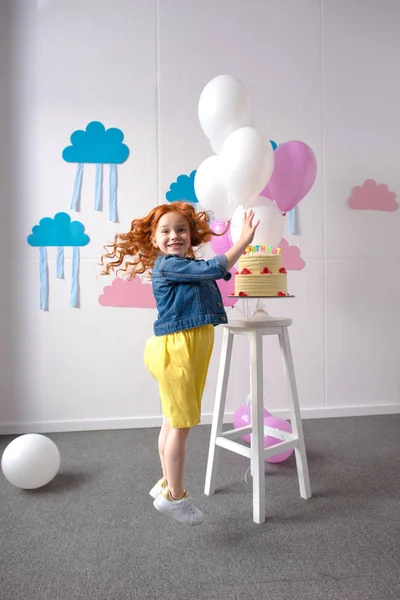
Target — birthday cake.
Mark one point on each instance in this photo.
(261, 272)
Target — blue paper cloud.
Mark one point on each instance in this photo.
(182, 189)
(59, 231)
(96, 145)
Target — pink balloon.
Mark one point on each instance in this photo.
(242, 417)
(269, 441)
(227, 288)
(223, 243)
(294, 175)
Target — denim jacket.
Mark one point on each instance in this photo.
(186, 293)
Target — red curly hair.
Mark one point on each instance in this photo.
(137, 242)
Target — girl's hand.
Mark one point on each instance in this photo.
(248, 229)
(246, 237)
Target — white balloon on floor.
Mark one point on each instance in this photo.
(30, 461)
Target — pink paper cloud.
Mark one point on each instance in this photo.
(371, 196)
(291, 259)
(131, 293)
(226, 288)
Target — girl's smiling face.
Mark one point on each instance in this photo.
(172, 235)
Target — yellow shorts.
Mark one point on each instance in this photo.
(179, 362)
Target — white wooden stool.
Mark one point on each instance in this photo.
(255, 330)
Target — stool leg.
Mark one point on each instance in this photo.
(219, 408)
(295, 416)
(257, 438)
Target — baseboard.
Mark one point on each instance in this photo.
(143, 422)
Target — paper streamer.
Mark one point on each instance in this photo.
(113, 193)
(59, 233)
(74, 293)
(76, 194)
(98, 146)
(293, 221)
(44, 279)
(60, 262)
(98, 187)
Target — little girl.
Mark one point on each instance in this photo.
(189, 306)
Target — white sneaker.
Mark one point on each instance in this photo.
(160, 486)
(182, 510)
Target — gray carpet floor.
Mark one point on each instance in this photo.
(92, 533)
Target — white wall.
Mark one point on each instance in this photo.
(6, 191)
(322, 71)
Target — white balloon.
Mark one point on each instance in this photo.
(270, 228)
(210, 188)
(247, 160)
(30, 461)
(236, 223)
(224, 106)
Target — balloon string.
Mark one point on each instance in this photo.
(293, 221)
(76, 194)
(60, 262)
(74, 291)
(245, 475)
(44, 279)
(113, 193)
(98, 187)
